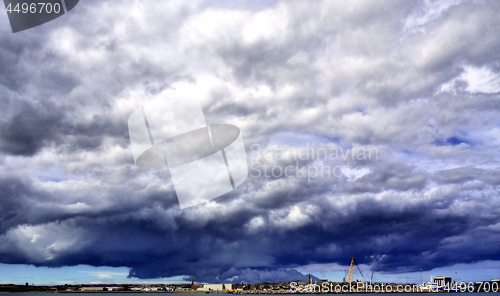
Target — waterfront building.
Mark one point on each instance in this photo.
(91, 289)
(443, 281)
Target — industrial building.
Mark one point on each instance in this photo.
(443, 281)
(218, 287)
(115, 288)
(91, 289)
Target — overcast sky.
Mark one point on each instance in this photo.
(416, 81)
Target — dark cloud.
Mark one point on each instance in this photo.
(406, 237)
(30, 128)
(33, 126)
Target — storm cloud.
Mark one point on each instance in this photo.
(419, 83)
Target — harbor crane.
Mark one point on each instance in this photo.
(353, 261)
(373, 271)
